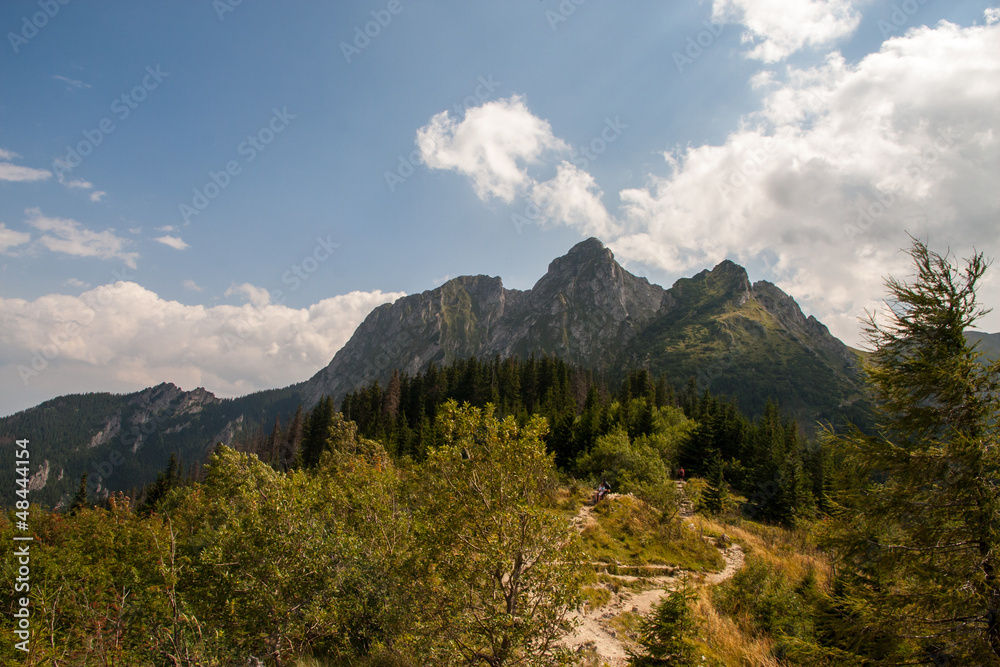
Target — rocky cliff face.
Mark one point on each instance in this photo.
(582, 309)
(730, 335)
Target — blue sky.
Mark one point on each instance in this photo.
(232, 220)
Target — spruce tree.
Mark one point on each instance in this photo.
(165, 481)
(79, 501)
(918, 530)
(665, 635)
(274, 442)
(714, 497)
(293, 440)
(317, 431)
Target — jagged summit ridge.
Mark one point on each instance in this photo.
(590, 311)
(585, 303)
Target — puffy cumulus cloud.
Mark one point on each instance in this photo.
(124, 337)
(823, 183)
(258, 296)
(778, 28)
(573, 199)
(10, 238)
(174, 242)
(70, 237)
(492, 145)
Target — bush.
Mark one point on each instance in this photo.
(627, 465)
(763, 601)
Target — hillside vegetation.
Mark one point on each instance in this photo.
(447, 519)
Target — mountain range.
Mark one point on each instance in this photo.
(715, 329)
(751, 341)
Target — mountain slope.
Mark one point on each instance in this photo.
(715, 328)
(989, 344)
(751, 341)
(123, 440)
(583, 309)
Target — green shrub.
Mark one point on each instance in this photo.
(627, 465)
(763, 601)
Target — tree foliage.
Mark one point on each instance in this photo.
(665, 635)
(505, 570)
(917, 525)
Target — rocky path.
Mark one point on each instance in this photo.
(594, 629)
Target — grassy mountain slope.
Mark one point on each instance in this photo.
(751, 342)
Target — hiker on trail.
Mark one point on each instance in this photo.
(602, 490)
(681, 474)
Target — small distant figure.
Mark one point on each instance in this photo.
(680, 474)
(602, 490)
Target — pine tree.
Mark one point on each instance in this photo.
(293, 440)
(165, 481)
(918, 540)
(79, 501)
(390, 406)
(714, 497)
(274, 442)
(665, 635)
(317, 431)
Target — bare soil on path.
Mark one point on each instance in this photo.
(595, 630)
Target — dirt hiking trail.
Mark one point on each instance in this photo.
(595, 629)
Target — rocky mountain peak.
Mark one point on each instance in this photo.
(586, 259)
(732, 279)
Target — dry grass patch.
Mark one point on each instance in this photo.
(792, 551)
(722, 641)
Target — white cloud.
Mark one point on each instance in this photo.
(71, 84)
(192, 285)
(76, 282)
(779, 28)
(257, 296)
(167, 228)
(492, 145)
(992, 15)
(495, 144)
(573, 199)
(80, 184)
(10, 238)
(123, 337)
(175, 242)
(842, 160)
(17, 173)
(72, 238)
